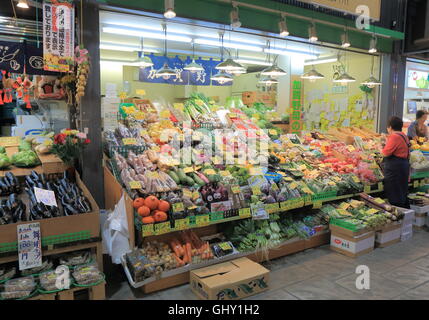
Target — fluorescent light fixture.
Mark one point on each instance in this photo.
(125, 48)
(283, 31)
(235, 19)
(222, 78)
(229, 66)
(345, 43)
(232, 45)
(285, 52)
(23, 4)
(193, 67)
(312, 34)
(144, 61)
(320, 61)
(373, 45)
(144, 34)
(165, 72)
(169, 9)
(254, 62)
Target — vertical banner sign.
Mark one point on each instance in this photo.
(29, 245)
(58, 36)
(296, 97)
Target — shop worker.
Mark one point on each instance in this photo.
(418, 128)
(396, 164)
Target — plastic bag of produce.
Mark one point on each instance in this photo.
(85, 275)
(7, 273)
(46, 265)
(76, 258)
(20, 284)
(48, 280)
(25, 159)
(4, 161)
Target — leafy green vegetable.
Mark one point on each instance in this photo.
(24, 146)
(25, 159)
(2, 150)
(4, 161)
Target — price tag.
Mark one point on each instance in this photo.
(256, 190)
(273, 208)
(307, 190)
(181, 224)
(225, 246)
(302, 167)
(135, 185)
(355, 179)
(178, 207)
(10, 141)
(29, 245)
(139, 115)
(317, 205)
(416, 183)
(367, 188)
(235, 189)
(331, 183)
(178, 106)
(165, 114)
(245, 213)
(147, 230)
(344, 212)
(188, 170)
(46, 197)
(161, 228)
(272, 132)
(307, 200)
(344, 206)
(225, 173)
(195, 195)
(141, 92)
(187, 193)
(379, 200)
(232, 115)
(143, 133)
(372, 211)
(351, 148)
(129, 141)
(209, 171)
(202, 220)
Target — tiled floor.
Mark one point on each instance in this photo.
(398, 272)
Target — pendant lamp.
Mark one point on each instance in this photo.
(165, 72)
(193, 66)
(372, 82)
(143, 61)
(312, 75)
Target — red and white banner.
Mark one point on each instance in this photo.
(58, 36)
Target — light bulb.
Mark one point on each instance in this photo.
(169, 9)
(22, 4)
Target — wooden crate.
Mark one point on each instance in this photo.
(51, 296)
(97, 292)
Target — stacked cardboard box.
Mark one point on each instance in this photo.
(407, 225)
(388, 235)
(351, 243)
(420, 216)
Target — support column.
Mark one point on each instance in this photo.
(90, 109)
(283, 87)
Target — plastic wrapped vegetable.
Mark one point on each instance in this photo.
(4, 161)
(25, 159)
(87, 275)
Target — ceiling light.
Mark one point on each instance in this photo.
(312, 34)
(268, 81)
(169, 9)
(283, 28)
(23, 4)
(166, 72)
(144, 61)
(372, 82)
(345, 43)
(222, 78)
(344, 79)
(273, 71)
(144, 34)
(291, 53)
(319, 61)
(235, 19)
(125, 48)
(254, 62)
(373, 45)
(232, 45)
(229, 66)
(193, 67)
(312, 75)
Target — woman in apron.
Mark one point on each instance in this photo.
(396, 164)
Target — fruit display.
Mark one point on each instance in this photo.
(418, 160)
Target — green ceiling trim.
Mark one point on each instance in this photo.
(218, 12)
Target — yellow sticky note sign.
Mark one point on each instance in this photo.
(135, 184)
(235, 189)
(178, 207)
(188, 170)
(156, 148)
(129, 141)
(141, 92)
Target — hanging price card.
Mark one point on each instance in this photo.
(161, 228)
(181, 224)
(129, 141)
(135, 185)
(367, 188)
(317, 205)
(178, 207)
(202, 220)
(235, 189)
(147, 230)
(245, 213)
(188, 170)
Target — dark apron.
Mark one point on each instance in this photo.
(396, 178)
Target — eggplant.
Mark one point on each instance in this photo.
(35, 175)
(71, 210)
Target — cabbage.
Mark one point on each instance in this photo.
(2, 150)
(24, 146)
(4, 161)
(25, 159)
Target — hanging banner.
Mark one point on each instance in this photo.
(183, 77)
(351, 6)
(12, 57)
(34, 61)
(58, 36)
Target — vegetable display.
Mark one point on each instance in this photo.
(25, 159)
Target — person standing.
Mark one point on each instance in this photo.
(418, 128)
(396, 164)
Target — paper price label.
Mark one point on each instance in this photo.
(129, 141)
(235, 189)
(225, 246)
(379, 200)
(317, 205)
(355, 179)
(165, 114)
(209, 171)
(181, 224)
(147, 230)
(178, 207)
(307, 190)
(178, 106)
(187, 193)
(135, 185)
(188, 170)
(245, 213)
(161, 228)
(371, 211)
(351, 148)
(367, 188)
(202, 220)
(225, 173)
(195, 195)
(256, 190)
(46, 197)
(272, 207)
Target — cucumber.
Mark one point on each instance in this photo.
(190, 181)
(174, 176)
(182, 176)
(197, 179)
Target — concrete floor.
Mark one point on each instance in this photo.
(399, 272)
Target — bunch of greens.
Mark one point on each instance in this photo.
(4, 161)
(25, 159)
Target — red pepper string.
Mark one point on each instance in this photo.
(1, 100)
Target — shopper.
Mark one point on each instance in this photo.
(418, 128)
(396, 164)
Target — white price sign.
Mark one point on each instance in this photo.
(29, 245)
(47, 197)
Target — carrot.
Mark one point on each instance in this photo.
(185, 256)
(179, 261)
(174, 247)
(188, 248)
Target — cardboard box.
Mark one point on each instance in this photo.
(419, 220)
(353, 246)
(388, 235)
(406, 236)
(231, 280)
(407, 228)
(340, 230)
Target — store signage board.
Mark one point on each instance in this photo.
(351, 6)
(296, 104)
(418, 79)
(58, 36)
(29, 245)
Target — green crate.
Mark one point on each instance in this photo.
(50, 240)
(420, 175)
(325, 196)
(192, 220)
(344, 224)
(216, 216)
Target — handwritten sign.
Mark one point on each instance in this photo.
(135, 185)
(47, 197)
(10, 141)
(29, 245)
